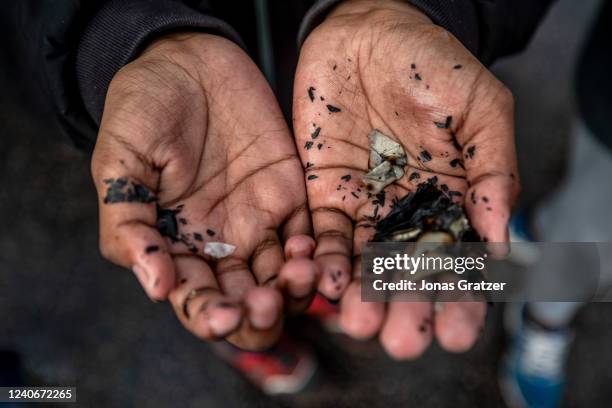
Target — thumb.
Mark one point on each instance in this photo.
(489, 153)
(127, 201)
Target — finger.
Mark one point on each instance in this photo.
(199, 304)
(129, 236)
(297, 224)
(267, 258)
(263, 324)
(334, 236)
(299, 246)
(360, 320)
(457, 325)
(407, 330)
(487, 138)
(297, 281)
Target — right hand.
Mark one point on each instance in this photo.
(192, 126)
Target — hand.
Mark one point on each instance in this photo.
(193, 146)
(384, 65)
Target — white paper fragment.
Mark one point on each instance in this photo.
(375, 159)
(387, 159)
(218, 249)
(386, 147)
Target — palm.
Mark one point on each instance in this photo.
(413, 82)
(216, 152)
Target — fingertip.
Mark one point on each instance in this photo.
(264, 306)
(360, 320)
(335, 275)
(298, 277)
(407, 330)
(458, 325)
(299, 246)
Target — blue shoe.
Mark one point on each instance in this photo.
(533, 372)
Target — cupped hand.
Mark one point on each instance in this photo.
(201, 192)
(384, 65)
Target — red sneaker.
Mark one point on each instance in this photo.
(325, 312)
(286, 368)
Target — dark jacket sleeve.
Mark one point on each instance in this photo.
(76, 47)
(488, 28)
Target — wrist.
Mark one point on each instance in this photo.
(395, 8)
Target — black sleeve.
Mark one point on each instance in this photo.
(73, 48)
(119, 32)
(488, 28)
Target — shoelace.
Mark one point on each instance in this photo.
(543, 353)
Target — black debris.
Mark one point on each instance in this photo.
(414, 176)
(167, 224)
(312, 177)
(308, 145)
(346, 177)
(428, 209)
(319, 146)
(425, 155)
(354, 194)
(333, 109)
(122, 191)
(315, 134)
(456, 162)
(151, 248)
(458, 66)
(321, 98)
(311, 93)
(210, 233)
(309, 165)
(413, 66)
(471, 150)
(183, 221)
(417, 76)
(456, 144)
(334, 67)
(473, 197)
(444, 188)
(380, 199)
(446, 124)
(432, 180)
(197, 236)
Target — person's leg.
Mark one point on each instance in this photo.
(534, 369)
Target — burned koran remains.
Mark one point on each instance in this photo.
(427, 215)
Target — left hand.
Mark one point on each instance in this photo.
(384, 65)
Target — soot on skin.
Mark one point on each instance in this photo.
(346, 177)
(151, 248)
(471, 151)
(123, 191)
(425, 156)
(312, 177)
(446, 124)
(311, 91)
(333, 109)
(315, 134)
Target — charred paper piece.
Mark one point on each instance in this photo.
(427, 215)
(218, 249)
(387, 159)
